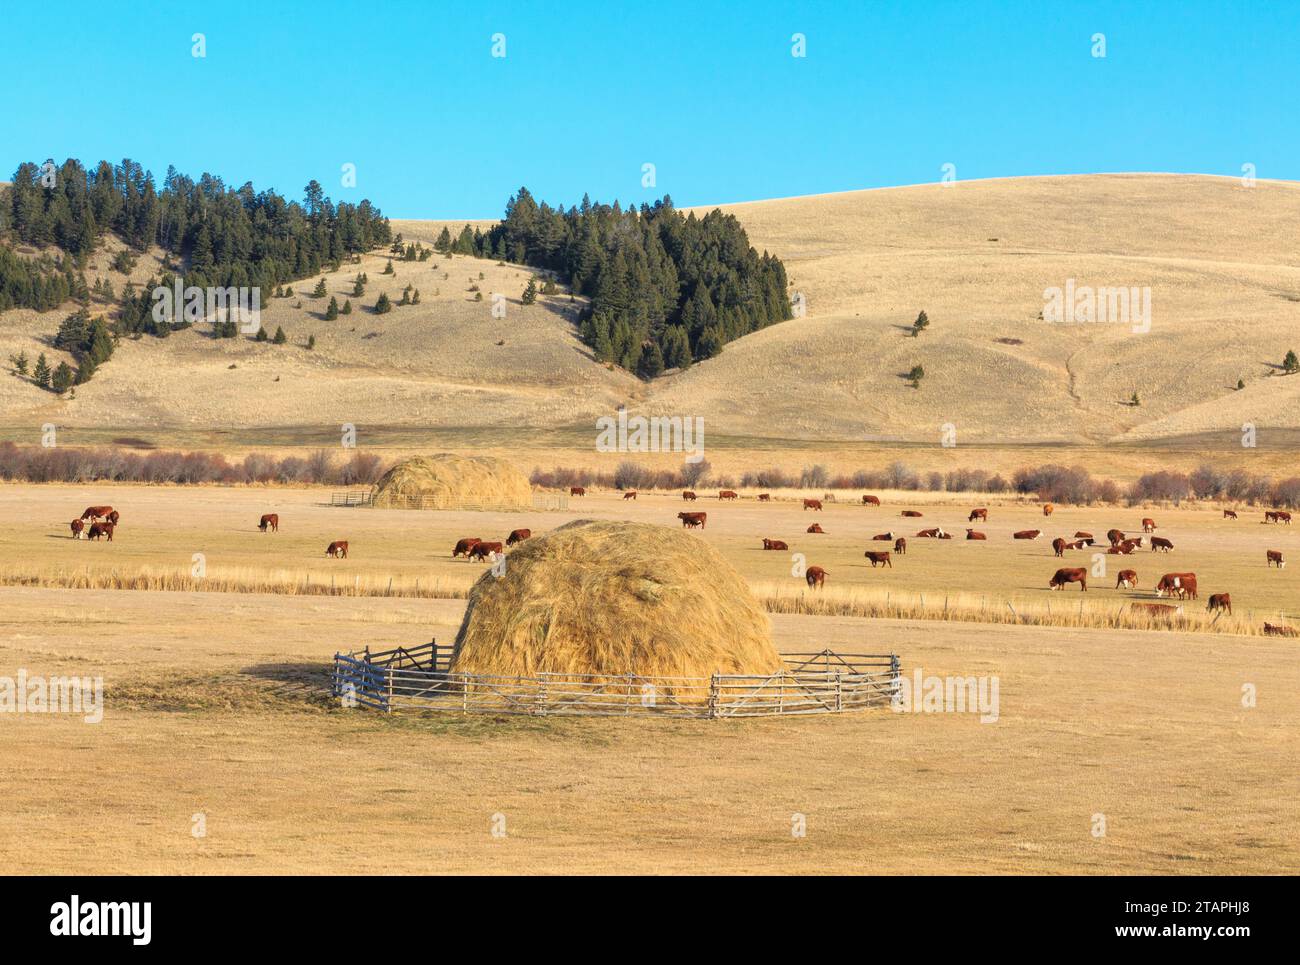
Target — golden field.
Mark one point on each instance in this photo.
(213, 708)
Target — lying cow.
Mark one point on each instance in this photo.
(816, 528)
(1221, 601)
(1027, 534)
(1277, 630)
(911, 514)
(971, 534)
(883, 537)
(1128, 580)
(518, 536)
(691, 520)
(1157, 610)
(774, 544)
(934, 533)
(1275, 556)
(337, 549)
(1086, 537)
(882, 558)
(1069, 575)
(463, 546)
(1125, 548)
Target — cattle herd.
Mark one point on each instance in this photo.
(100, 522)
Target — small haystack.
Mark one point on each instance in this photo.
(448, 481)
(611, 598)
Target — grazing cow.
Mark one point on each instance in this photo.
(911, 514)
(816, 528)
(270, 522)
(1048, 508)
(691, 520)
(978, 514)
(774, 544)
(1058, 546)
(812, 504)
(971, 534)
(93, 513)
(689, 496)
(518, 536)
(727, 494)
(1229, 514)
(764, 497)
(1182, 585)
(900, 546)
(464, 546)
(113, 517)
(1070, 575)
(1277, 516)
(1115, 536)
(483, 551)
(815, 576)
(577, 491)
(882, 558)
(78, 527)
(1027, 534)
(1161, 610)
(339, 549)
(1161, 544)
(1275, 556)
(630, 494)
(1221, 601)
(870, 500)
(100, 529)
(1278, 630)
(1128, 580)
(1148, 525)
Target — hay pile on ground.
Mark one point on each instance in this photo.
(610, 598)
(448, 481)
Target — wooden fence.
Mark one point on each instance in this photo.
(418, 678)
(354, 497)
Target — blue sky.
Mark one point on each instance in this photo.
(709, 93)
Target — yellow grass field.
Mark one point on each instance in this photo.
(213, 707)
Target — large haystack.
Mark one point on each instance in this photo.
(609, 598)
(447, 481)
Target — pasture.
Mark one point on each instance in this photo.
(213, 704)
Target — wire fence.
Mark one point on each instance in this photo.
(420, 679)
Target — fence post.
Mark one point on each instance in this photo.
(540, 709)
(713, 696)
(389, 703)
(839, 691)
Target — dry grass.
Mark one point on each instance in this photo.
(602, 597)
(448, 480)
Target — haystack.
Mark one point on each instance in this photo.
(612, 598)
(448, 481)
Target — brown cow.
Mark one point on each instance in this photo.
(1275, 556)
(1160, 543)
(812, 504)
(691, 520)
(815, 576)
(270, 522)
(1114, 536)
(978, 514)
(911, 514)
(1182, 585)
(882, 558)
(1058, 546)
(93, 513)
(464, 546)
(1027, 534)
(339, 549)
(689, 496)
(577, 491)
(727, 494)
(482, 551)
(1277, 516)
(884, 537)
(1277, 630)
(1148, 524)
(113, 517)
(1048, 509)
(933, 533)
(774, 544)
(971, 534)
(630, 494)
(1229, 514)
(1125, 548)
(870, 500)
(100, 529)
(900, 546)
(816, 528)
(518, 536)
(1128, 580)
(1070, 575)
(78, 527)
(1221, 601)
(1082, 535)
(764, 497)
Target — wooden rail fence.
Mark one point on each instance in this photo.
(419, 678)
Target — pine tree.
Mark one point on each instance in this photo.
(383, 306)
(359, 288)
(319, 290)
(915, 375)
(530, 293)
(388, 269)
(261, 335)
(415, 298)
(347, 306)
(921, 324)
(41, 375)
(651, 363)
(61, 380)
(1291, 363)
(20, 363)
(280, 338)
(311, 342)
(332, 312)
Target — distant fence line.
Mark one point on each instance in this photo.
(419, 678)
(543, 501)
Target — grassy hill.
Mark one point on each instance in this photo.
(1219, 258)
